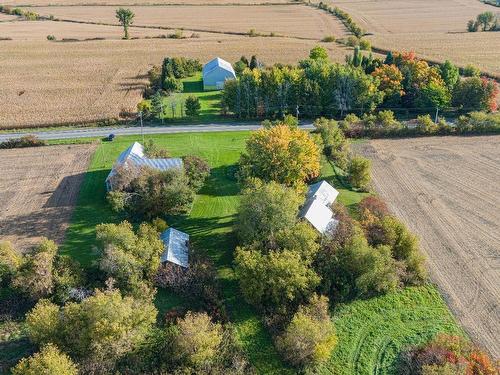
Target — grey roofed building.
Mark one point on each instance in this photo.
(316, 209)
(134, 157)
(215, 73)
(323, 191)
(176, 245)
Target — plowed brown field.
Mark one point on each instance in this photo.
(38, 191)
(447, 190)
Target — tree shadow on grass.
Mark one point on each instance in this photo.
(192, 86)
(221, 182)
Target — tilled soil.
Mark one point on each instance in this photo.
(447, 190)
(38, 191)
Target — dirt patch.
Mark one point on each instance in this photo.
(38, 191)
(447, 190)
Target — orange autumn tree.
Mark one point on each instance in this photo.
(281, 153)
(390, 78)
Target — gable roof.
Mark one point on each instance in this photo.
(175, 247)
(318, 214)
(134, 157)
(323, 191)
(217, 63)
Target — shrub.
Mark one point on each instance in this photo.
(10, 261)
(365, 44)
(172, 84)
(48, 361)
(196, 170)
(359, 171)
(471, 71)
(132, 259)
(328, 39)
(51, 37)
(335, 145)
(352, 41)
(25, 141)
(97, 331)
(310, 336)
(151, 193)
(318, 52)
(177, 35)
(197, 340)
(276, 281)
(35, 277)
(152, 150)
(193, 106)
(472, 26)
(425, 125)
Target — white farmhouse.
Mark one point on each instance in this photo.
(134, 157)
(316, 210)
(176, 247)
(215, 74)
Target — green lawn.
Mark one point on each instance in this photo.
(370, 332)
(209, 100)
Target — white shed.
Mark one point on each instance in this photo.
(215, 73)
(176, 247)
(323, 191)
(134, 157)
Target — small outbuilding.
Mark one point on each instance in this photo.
(215, 73)
(176, 247)
(316, 210)
(134, 157)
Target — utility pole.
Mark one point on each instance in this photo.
(161, 106)
(297, 112)
(437, 112)
(142, 132)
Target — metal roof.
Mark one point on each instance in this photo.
(217, 63)
(319, 215)
(323, 191)
(134, 157)
(176, 247)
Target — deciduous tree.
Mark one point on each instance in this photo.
(49, 361)
(126, 18)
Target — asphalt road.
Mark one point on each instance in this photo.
(135, 130)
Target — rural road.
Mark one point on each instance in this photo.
(134, 130)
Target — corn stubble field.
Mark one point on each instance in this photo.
(447, 190)
(435, 30)
(47, 83)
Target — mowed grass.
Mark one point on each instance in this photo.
(371, 332)
(209, 101)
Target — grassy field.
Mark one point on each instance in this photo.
(406, 317)
(209, 101)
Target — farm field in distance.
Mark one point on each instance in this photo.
(447, 190)
(93, 80)
(38, 191)
(435, 30)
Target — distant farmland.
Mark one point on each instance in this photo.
(433, 29)
(90, 74)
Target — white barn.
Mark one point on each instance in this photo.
(215, 74)
(134, 157)
(316, 210)
(176, 247)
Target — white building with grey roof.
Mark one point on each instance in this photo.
(215, 73)
(316, 210)
(135, 158)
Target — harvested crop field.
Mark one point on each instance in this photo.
(447, 190)
(289, 20)
(436, 30)
(38, 30)
(145, 2)
(38, 191)
(52, 83)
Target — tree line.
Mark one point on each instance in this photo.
(317, 87)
